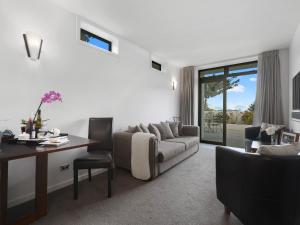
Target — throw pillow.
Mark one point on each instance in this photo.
(167, 130)
(264, 126)
(144, 128)
(134, 129)
(153, 130)
(139, 129)
(279, 150)
(174, 128)
(161, 131)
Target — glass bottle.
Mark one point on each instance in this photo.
(38, 123)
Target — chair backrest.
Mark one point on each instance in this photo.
(100, 129)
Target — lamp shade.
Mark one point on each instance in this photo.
(33, 44)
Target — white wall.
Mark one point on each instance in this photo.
(294, 69)
(92, 83)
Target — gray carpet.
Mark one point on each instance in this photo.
(185, 194)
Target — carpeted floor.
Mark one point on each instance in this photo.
(185, 194)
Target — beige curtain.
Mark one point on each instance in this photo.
(187, 95)
(268, 105)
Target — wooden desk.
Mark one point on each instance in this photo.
(15, 151)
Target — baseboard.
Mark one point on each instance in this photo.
(29, 196)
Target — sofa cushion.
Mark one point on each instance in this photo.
(153, 130)
(134, 129)
(168, 150)
(189, 141)
(144, 128)
(167, 130)
(163, 135)
(174, 128)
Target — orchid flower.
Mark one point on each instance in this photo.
(51, 96)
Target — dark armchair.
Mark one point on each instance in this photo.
(259, 190)
(254, 134)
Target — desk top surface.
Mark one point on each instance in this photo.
(17, 151)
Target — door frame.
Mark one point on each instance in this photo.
(209, 80)
(215, 79)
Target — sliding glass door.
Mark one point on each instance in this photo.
(212, 109)
(226, 97)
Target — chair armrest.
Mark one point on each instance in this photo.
(252, 133)
(188, 130)
(122, 152)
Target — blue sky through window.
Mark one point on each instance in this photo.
(99, 43)
(239, 97)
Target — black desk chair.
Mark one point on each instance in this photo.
(100, 155)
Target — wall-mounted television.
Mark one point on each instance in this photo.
(296, 92)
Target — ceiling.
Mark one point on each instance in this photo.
(195, 32)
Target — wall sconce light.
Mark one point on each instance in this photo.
(174, 84)
(33, 44)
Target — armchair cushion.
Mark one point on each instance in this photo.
(279, 150)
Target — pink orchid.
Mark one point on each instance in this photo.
(51, 96)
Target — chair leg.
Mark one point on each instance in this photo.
(112, 173)
(109, 175)
(90, 174)
(75, 184)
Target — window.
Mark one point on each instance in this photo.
(226, 103)
(156, 65)
(95, 40)
(91, 35)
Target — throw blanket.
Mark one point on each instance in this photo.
(140, 167)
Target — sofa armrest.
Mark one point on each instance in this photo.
(122, 152)
(122, 149)
(252, 133)
(188, 130)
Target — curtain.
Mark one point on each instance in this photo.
(268, 105)
(187, 96)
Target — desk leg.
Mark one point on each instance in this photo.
(41, 184)
(3, 191)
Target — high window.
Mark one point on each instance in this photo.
(156, 65)
(91, 35)
(95, 40)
